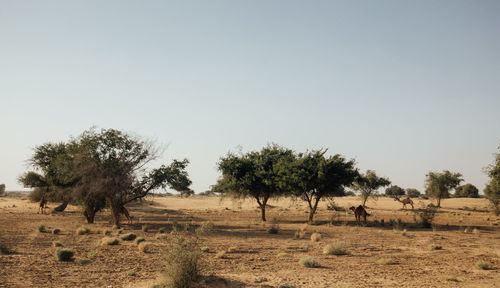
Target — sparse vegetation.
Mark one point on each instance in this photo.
(56, 231)
(435, 247)
(57, 244)
(145, 247)
(205, 249)
(205, 228)
(315, 237)
(336, 248)
(145, 228)
(128, 237)
(299, 234)
(41, 228)
(182, 260)
(139, 240)
(385, 261)
(82, 231)
(65, 254)
(482, 265)
(221, 255)
(308, 262)
(109, 241)
(274, 229)
(4, 248)
(426, 215)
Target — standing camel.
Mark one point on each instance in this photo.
(359, 212)
(404, 201)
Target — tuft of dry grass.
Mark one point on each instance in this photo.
(145, 247)
(482, 265)
(232, 249)
(82, 231)
(274, 229)
(182, 260)
(336, 248)
(221, 255)
(316, 237)
(106, 232)
(435, 247)
(282, 254)
(4, 248)
(139, 240)
(57, 244)
(205, 249)
(41, 228)
(385, 261)
(299, 235)
(128, 237)
(161, 237)
(308, 262)
(109, 241)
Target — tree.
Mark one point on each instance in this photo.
(106, 167)
(368, 184)
(257, 174)
(2, 189)
(438, 185)
(313, 177)
(492, 189)
(412, 192)
(466, 191)
(394, 190)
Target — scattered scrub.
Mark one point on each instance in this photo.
(128, 237)
(65, 254)
(205, 249)
(315, 237)
(482, 265)
(81, 261)
(232, 249)
(139, 240)
(4, 248)
(82, 231)
(57, 244)
(282, 254)
(337, 249)
(145, 247)
(109, 241)
(435, 247)
(308, 262)
(385, 261)
(182, 260)
(56, 231)
(426, 216)
(205, 228)
(41, 228)
(221, 255)
(299, 235)
(274, 229)
(106, 232)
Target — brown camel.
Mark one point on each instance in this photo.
(359, 212)
(404, 201)
(43, 204)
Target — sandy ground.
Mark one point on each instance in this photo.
(255, 258)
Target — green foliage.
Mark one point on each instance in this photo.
(394, 190)
(257, 174)
(466, 191)
(412, 193)
(2, 189)
(96, 167)
(313, 176)
(492, 189)
(438, 185)
(368, 184)
(65, 254)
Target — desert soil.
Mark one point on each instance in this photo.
(465, 230)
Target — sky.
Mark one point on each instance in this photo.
(402, 87)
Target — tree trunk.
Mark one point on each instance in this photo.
(115, 211)
(262, 206)
(312, 209)
(439, 202)
(90, 215)
(365, 198)
(61, 207)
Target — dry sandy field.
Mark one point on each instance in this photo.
(446, 255)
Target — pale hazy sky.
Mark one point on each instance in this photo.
(404, 87)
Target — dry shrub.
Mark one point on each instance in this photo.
(146, 247)
(57, 244)
(56, 231)
(336, 248)
(182, 260)
(41, 228)
(282, 254)
(315, 237)
(385, 261)
(435, 247)
(221, 255)
(482, 265)
(81, 261)
(109, 241)
(65, 254)
(308, 262)
(274, 229)
(232, 249)
(205, 228)
(139, 240)
(299, 235)
(82, 231)
(161, 237)
(128, 237)
(426, 215)
(205, 249)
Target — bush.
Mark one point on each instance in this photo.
(427, 215)
(315, 237)
(145, 247)
(81, 261)
(412, 193)
(65, 254)
(205, 249)
(482, 265)
(41, 228)
(139, 240)
(109, 241)
(308, 262)
(435, 247)
(82, 231)
(335, 249)
(385, 261)
(274, 229)
(56, 231)
(182, 260)
(161, 237)
(56, 244)
(128, 237)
